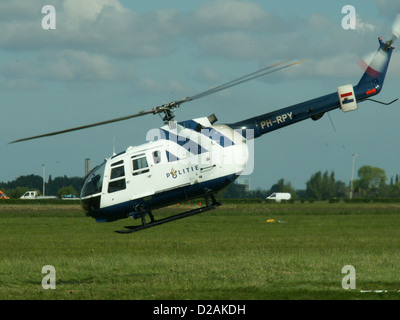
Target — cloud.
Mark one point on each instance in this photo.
(364, 27)
(150, 85)
(388, 7)
(75, 65)
(231, 15)
(344, 65)
(91, 25)
(65, 65)
(206, 75)
(233, 44)
(109, 28)
(18, 10)
(79, 11)
(102, 40)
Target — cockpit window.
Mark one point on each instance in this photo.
(94, 181)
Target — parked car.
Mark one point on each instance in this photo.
(279, 196)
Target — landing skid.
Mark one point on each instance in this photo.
(153, 223)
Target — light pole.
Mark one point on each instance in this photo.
(352, 174)
(44, 181)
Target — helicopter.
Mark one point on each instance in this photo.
(199, 157)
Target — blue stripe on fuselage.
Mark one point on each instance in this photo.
(162, 199)
(208, 132)
(171, 157)
(184, 142)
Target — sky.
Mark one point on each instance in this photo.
(111, 58)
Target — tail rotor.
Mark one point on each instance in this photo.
(375, 63)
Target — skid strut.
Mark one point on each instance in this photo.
(209, 206)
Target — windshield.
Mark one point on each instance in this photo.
(94, 181)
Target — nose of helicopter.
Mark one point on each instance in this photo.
(91, 205)
(91, 190)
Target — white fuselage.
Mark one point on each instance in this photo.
(177, 156)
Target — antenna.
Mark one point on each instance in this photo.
(330, 119)
(114, 144)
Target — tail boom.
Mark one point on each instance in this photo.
(370, 84)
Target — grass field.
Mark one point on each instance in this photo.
(228, 253)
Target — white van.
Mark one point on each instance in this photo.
(35, 195)
(279, 196)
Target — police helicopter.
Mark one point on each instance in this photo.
(197, 158)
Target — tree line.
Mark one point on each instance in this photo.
(369, 183)
(58, 186)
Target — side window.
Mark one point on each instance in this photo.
(117, 177)
(117, 185)
(156, 157)
(139, 164)
(117, 172)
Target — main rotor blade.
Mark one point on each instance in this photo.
(248, 77)
(142, 113)
(166, 108)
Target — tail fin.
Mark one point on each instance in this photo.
(371, 82)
